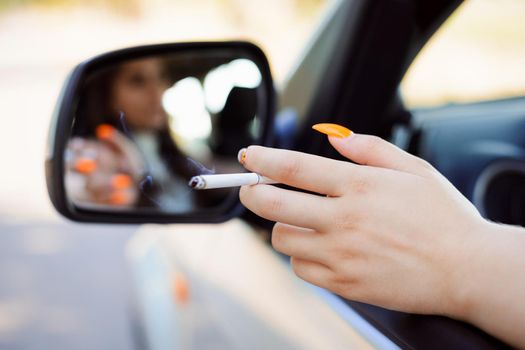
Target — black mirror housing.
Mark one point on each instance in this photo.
(62, 130)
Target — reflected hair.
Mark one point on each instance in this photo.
(94, 108)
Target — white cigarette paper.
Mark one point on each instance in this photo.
(206, 182)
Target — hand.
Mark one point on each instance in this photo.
(103, 171)
(389, 231)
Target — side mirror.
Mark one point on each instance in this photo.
(133, 126)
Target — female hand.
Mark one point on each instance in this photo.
(103, 171)
(389, 230)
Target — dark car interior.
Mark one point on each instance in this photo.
(481, 152)
(479, 147)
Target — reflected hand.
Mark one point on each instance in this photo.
(103, 171)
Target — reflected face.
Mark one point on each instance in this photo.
(137, 91)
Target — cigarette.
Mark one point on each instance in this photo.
(206, 182)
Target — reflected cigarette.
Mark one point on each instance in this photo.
(206, 182)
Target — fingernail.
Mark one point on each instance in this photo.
(85, 165)
(104, 131)
(121, 181)
(118, 198)
(241, 156)
(332, 130)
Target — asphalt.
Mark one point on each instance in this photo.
(64, 286)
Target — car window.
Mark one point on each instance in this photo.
(478, 54)
(297, 90)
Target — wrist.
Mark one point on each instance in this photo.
(489, 287)
(468, 257)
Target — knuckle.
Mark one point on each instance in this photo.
(344, 284)
(273, 205)
(268, 203)
(345, 220)
(343, 254)
(373, 143)
(348, 289)
(277, 237)
(263, 201)
(360, 186)
(337, 279)
(290, 169)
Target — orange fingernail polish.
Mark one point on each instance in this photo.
(85, 165)
(241, 156)
(118, 198)
(104, 131)
(332, 130)
(121, 181)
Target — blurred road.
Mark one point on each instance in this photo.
(64, 286)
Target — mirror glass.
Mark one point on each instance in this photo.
(143, 127)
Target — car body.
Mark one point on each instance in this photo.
(222, 285)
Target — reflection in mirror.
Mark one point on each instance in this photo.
(144, 127)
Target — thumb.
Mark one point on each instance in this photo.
(371, 150)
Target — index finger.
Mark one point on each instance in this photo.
(301, 170)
